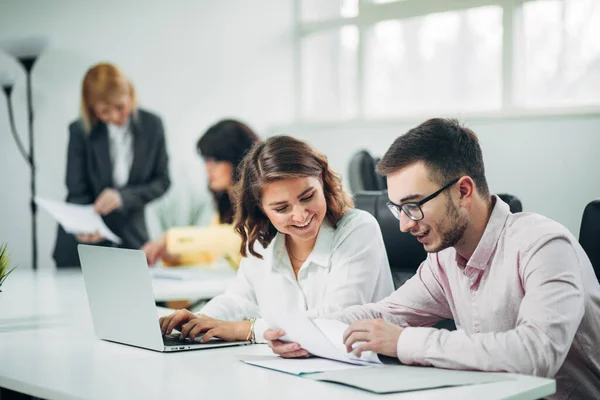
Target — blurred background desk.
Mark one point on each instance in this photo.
(191, 284)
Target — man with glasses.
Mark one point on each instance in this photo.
(520, 288)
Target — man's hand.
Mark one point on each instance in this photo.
(285, 350)
(378, 336)
(108, 201)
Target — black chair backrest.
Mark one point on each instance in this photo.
(589, 234)
(381, 180)
(362, 175)
(404, 251)
(513, 202)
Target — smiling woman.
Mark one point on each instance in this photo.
(304, 246)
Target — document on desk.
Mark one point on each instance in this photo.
(298, 366)
(402, 378)
(77, 218)
(320, 337)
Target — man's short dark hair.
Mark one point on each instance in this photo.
(448, 150)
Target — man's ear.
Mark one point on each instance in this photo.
(466, 187)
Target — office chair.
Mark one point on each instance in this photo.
(362, 175)
(513, 202)
(589, 234)
(404, 251)
(381, 180)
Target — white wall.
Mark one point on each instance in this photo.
(196, 61)
(550, 163)
(193, 62)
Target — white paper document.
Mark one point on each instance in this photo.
(298, 366)
(77, 218)
(402, 378)
(320, 337)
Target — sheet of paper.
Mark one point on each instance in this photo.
(301, 329)
(402, 378)
(298, 366)
(76, 218)
(334, 330)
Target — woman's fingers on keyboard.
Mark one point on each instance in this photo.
(192, 328)
(176, 320)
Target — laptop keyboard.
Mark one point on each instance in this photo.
(175, 341)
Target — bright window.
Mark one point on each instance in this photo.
(561, 54)
(446, 61)
(329, 74)
(316, 10)
(373, 59)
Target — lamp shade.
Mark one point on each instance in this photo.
(26, 50)
(6, 82)
(6, 78)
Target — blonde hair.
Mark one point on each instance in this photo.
(101, 83)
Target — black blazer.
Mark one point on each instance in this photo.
(89, 172)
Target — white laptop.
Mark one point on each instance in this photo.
(119, 291)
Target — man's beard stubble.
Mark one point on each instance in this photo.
(454, 227)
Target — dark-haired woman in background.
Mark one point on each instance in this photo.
(222, 147)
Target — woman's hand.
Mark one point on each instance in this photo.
(175, 321)
(108, 201)
(191, 325)
(157, 249)
(283, 349)
(90, 237)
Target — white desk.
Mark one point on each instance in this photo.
(48, 350)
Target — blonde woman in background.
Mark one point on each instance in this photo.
(222, 147)
(117, 161)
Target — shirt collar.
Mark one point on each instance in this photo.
(487, 244)
(116, 132)
(320, 254)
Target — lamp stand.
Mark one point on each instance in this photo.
(27, 63)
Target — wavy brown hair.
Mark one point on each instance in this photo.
(277, 158)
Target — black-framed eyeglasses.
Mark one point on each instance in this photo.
(413, 209)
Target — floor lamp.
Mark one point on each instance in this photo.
(27, 53)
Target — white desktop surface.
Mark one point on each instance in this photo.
(48, 349)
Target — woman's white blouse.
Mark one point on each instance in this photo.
(347, 266)
(120, 147)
